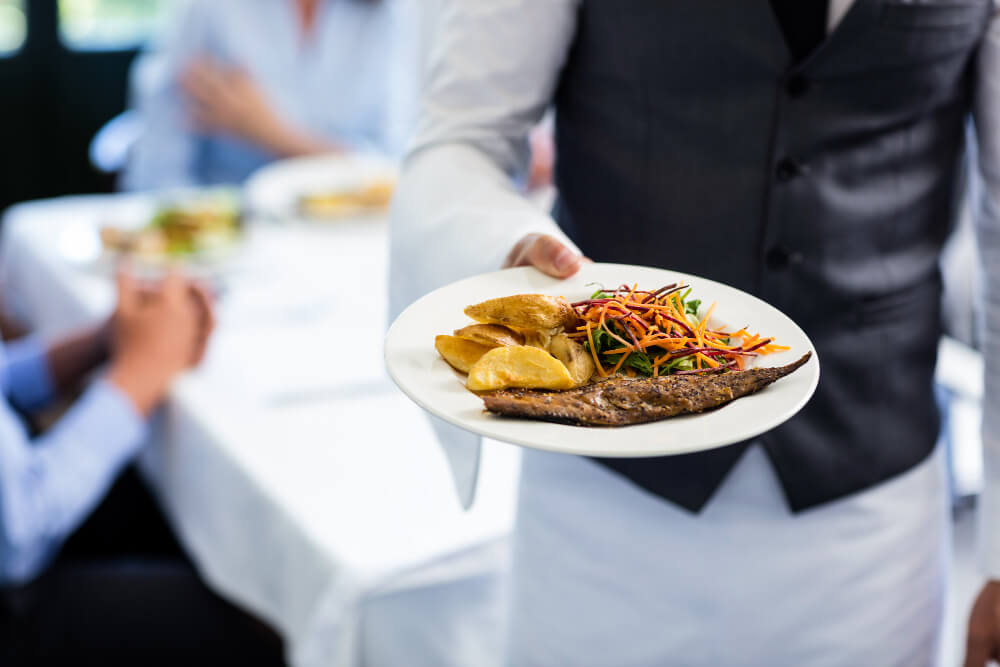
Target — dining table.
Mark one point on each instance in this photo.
(302, 484)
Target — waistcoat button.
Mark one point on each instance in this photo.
(787, 169)
(797, 85)
(777, 258)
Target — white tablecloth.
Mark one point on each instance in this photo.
(302, 484)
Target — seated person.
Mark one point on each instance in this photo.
(237, 85)
(54, 611)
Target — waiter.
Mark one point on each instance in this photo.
(806, 152)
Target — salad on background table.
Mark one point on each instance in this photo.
(203, 226)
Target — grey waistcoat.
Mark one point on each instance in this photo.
(688, 139)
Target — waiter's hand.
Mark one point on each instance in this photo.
(546, 254)
(983, 643)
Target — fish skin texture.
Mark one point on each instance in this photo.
(623, 401)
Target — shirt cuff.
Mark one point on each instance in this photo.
(28, 377)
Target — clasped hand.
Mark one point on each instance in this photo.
(156, 333)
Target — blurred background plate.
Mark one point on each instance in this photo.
(275, 192)
(80, 243)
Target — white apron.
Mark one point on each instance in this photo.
(607, 575)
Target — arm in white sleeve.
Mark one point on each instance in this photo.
(164, 154)
(987, 120)
(48, 487)
(490, 79)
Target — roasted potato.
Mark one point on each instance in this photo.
(536, 337)
(460, 353)
(492, 335)
(518, 366)
(574, 357)
(525, 311)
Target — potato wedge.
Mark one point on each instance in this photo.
(536, 337)
(525, 311)
(574, 357)
(460, 353)
(518, 366)
(492, 335)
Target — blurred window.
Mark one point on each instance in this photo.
(13, 26)
(100, 25)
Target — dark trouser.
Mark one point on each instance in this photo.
(123, 592)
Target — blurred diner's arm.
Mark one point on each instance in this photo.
(165, 153)
(987, 120)
(36, 373)
(491, 75)
(28, 378)
(47, 487)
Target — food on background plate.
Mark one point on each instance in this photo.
(203, 225)
(622, 401)
(623, 356)
(143, 241)
(372, 197)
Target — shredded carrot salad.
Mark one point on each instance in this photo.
(660, 333)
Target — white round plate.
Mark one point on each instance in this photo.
(419, 371)
(274, 191)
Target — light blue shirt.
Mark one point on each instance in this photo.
(353, 81)
(48, 486)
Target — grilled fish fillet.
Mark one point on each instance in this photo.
(624, 401)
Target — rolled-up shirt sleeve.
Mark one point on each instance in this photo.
(987, 119)
(28, 381)
(49, 486)
(457, 211)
